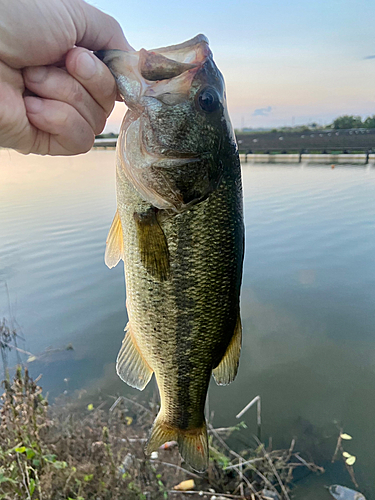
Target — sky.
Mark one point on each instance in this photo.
(284, 62)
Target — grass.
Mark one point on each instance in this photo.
(57, 453)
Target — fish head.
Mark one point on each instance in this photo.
(177, 128)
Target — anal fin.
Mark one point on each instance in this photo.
(152, 244)
(226, 370)
(114, 251)
(131, 366)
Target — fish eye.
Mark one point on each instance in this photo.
(208, 99)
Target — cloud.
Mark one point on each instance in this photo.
(369, 57)
(262, 111)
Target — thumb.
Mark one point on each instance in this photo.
(95, 29)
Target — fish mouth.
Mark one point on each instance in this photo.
(159, 72)
(152, 65)
(191, 52)
(185, 51)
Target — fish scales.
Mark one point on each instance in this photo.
(183, 261)
(190, 317)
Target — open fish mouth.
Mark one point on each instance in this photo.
(165, 62)
(166, 72)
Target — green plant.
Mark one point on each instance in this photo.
(60, 453)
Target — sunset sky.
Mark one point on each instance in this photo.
(284, 62)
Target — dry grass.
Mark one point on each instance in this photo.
(59, 454)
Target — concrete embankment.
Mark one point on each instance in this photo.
(329, 159)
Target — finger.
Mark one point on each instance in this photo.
(13, 120)
(94, 76)
(96, 30)
(56, 84)
(66, 132)
(12, 77)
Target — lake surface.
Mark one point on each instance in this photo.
(308, 297)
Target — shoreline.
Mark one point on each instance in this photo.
(58, 453)
(249, 158)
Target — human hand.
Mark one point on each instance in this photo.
(55, 95)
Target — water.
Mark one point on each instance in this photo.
(307, 299)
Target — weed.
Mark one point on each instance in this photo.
(56, 453)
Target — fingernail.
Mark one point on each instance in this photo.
(86, 66)
(36, 74)
(33, 104)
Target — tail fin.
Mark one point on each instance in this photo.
(192, 444)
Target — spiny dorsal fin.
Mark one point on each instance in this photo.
(131, 366)
(152, 244)
(226, 370)
(114, 251)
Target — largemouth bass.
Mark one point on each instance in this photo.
(179, 230)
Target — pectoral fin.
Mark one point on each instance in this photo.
(114, 251)
(152, 244)
(131, 366)
(226, 370)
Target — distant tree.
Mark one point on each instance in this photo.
(369, 122)
(348, 121)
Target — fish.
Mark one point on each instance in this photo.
(179, 230)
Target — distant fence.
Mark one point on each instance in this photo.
(320, 141)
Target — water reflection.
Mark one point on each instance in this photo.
(307, 298)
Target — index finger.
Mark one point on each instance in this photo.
(94, 76)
